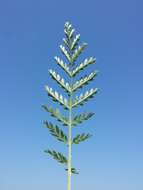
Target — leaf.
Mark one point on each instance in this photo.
(66, 53)
(81, 117)
(84, 97)
(83, 65)
(60, 80)
(78, 51)
(57, 156)
(73, 171)
(56, 132)
(69, 30)
(67, 43)
(80, 138)
(63, 65)
(83, 81)
(71, 49)
(56, 113)
(57, 97)
(75, 42)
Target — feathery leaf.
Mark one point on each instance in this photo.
(57, 156)
(63, 65)
(60, 80)
(80, 138)
(58, 98)
(81, 117)
(83, 65)
(67, 43)
(83, 81)
(56, 132)
(71, 49)
(69, 30)
(66, 53)
(84, 97)
(78, 51)
(56, 114)
(75, 42)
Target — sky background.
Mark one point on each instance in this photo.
(30, 34)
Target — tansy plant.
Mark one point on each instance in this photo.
(71, 50)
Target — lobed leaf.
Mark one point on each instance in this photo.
(57, 156)
(60, 80)
(81, 137)
(56, 132)
(66, 53)
(69, 30)
(83, 65)
(78, 51)
(63, 65)
(75, 42)
(83, 81)
(84, 97)
(56, 114)
(58, 97)
(81, 117)
(67, 43)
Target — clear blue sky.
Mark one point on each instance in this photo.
(30, 33)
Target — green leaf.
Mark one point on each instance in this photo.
(56, 114)
(75, 42)
(57, 97)
(60, 80)
(69, 30)
(84, 97)
(71, 49)
(81, 117)
(56, 132)
(66, 53)
(83, 81)
(57, 156)
(81, 137)
(67, 43)
(78, 51)
(83, 65)
(70, 41)
(63, 65)
(73, 171)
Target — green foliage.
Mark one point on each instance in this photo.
(60, 81)
(57, 156)
(56, 114)
(83, 65)
(66, 53)
(81, 117)
(63, 65)
(75, 42)
(81, 137)
(78, 51)
(61, 159)
(83, 81)
(71, 49)
(57, 97)
(79, 100)
(73, 170)
(56, 132)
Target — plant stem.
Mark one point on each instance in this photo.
(70, 142)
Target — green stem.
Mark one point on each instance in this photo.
(70, 127)
(70, 142)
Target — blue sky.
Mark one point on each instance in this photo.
(30, 33)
